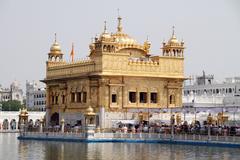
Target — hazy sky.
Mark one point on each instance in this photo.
(210, 29)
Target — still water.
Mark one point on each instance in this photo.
(13, 149)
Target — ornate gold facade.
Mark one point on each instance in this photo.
(119, 74)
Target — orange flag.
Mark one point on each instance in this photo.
(72, 53)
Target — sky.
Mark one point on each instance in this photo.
(210, 29)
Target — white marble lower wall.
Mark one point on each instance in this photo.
(109, 119)
(72, 118)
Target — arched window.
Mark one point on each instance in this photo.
(172, 99)
(104, 48)
(113, 49)
(174, 53)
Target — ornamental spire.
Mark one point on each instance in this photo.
(55, 37)
(119, 28)
(105, 27)
(173, 31)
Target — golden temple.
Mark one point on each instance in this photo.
(118, 75)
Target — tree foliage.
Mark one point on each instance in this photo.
(11, 105)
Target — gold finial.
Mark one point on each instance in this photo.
(173, 31)
(105, 26)
(147, 37)
(55, 37)
(147, 45)
(119, 28)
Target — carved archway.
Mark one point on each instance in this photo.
(55, 119)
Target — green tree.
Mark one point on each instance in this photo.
(11, 105)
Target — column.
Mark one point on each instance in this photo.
(41, 126)
(47, 116)
(62, 125)
(137, 97)
(75, 97)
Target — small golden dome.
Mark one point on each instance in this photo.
(55, 47)
(105, 36)
(89, 111)
(173, 40)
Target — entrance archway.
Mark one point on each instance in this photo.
(13, 124)
(5, 124)
(55, 119)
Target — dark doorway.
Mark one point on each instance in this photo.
(55, 119)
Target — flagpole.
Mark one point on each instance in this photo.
(72, 53)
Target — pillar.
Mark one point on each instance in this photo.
(102, 117)
(62, 125)
(9, 125)
(75, 97)
(41, 126)
(47, 116)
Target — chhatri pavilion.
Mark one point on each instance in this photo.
(119, 79)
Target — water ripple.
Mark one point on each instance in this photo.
(11, 148)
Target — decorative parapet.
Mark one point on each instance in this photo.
(161, 68)
(142, 62)
(171, 67)
(69, 69)
(64, 64)
(121, 46)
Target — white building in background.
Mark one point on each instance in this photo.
(13, 93)
(9, 120)
(205, 92)
(35, 95)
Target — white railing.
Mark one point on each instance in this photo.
(134, 136)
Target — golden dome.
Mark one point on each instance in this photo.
(123, 38)
(105, 34)
(89, 111)
(55, 47)
(173, 40)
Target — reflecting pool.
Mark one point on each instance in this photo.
(11, 149)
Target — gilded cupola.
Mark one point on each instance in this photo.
(173, 48)
(55, 53)
(121, 37)
(105, 35)
(118, 42)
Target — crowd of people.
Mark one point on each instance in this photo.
(184, 128)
